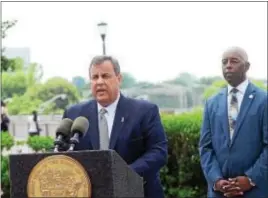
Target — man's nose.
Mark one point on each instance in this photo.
(100, 80)
(228, 65)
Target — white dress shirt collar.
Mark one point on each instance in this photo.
(111, 108)
(241, 87)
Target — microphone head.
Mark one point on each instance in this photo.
(64, 127)
(80, 125)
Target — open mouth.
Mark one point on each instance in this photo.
(101, 91)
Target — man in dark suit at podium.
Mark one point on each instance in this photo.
(130, 127)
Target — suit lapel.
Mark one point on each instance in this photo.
(90, 112)
(223, 111)
(120, 119)
(245, 106)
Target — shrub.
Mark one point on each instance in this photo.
(40, 143)
(182, 176)
(5, 184)
(7, 141)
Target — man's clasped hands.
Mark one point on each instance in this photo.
(233, 186)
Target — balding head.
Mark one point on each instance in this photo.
(238, 51)
(235, 65)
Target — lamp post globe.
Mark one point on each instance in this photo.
(103, 31)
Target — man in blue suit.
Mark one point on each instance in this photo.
(234, 135)
(130, 127)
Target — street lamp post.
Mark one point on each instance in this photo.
(102, 29)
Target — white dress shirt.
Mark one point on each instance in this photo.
(240, 94)
(111, 109)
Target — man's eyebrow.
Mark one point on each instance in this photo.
(106, 73)
(235, 58)
(232, 58)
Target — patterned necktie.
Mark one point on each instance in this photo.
(103, 130)
(233, 111)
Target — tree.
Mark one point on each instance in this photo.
(34, 74)
(6, 25)
(184, 79)
(80, 83)
(209, 80)
(53, 87)
(15, 83)
(128, 80)
(7, 64)
(38, 97)
(18, 81)
(23, 104)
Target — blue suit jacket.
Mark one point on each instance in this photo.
(140, 140)
(247, 153)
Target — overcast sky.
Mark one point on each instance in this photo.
(153, 41)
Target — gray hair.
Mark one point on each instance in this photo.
(97, 60)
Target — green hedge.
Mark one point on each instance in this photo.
(182, 177)
(7, 141)
(5, 184)
(40, 143)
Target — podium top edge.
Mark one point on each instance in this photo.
(64, 152)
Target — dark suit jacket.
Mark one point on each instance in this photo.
(247, 153)
(140, 140)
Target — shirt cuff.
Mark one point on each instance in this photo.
(251, 182)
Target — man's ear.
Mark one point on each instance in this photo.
(120, 78)
(247, 65)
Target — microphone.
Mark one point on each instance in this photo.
(62, 132)
(79, 128)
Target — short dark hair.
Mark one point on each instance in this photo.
(100, 59)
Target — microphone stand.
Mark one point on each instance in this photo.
(61, 144)
(74, 140)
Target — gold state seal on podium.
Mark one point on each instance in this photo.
(58, 176)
